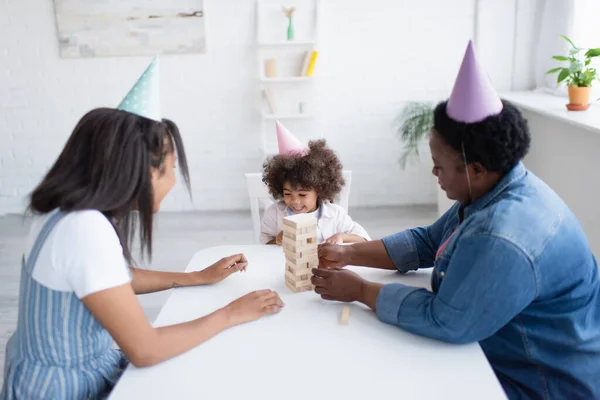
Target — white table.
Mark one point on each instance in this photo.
(303, 352)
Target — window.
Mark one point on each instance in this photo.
(586, 28)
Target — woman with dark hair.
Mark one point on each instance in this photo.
(512, 268)
(77, 291)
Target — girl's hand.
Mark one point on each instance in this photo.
(253, 306)
(279, 238)
(222, 269)
(338, 238)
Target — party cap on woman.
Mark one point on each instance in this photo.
(144, 97)
(473, 97)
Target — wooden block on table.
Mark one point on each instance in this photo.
(299, 289)
(298, 286)
(345, 315)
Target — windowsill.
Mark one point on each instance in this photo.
(554, 107)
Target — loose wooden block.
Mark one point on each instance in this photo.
(345, 315)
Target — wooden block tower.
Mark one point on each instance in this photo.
(300, 248)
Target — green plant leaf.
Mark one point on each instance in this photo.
(561, 58)
(568, 40)
(553, 70)
(576, 66)
(574, 50)
(593, 52)
(563, 75)
(413, 124)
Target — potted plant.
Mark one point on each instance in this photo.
(578, 75)
(413, 125)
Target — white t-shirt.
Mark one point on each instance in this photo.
(82, 254)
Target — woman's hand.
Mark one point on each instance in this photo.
(222, 269)
(279, 238)
(337, 284)
(332, 255)
(338, 238)
(253, 306)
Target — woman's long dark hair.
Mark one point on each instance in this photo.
(106, 166)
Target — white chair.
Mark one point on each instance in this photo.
(261, 199)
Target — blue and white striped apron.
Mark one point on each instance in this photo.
(59, 350)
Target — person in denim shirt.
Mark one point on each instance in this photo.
(512, 268)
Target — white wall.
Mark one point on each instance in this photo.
(373, 56)
(566, 158)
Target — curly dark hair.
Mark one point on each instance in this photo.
(320, 169)
(498, 142)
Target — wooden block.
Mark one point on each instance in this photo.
(299, 246)
(306, 266)
(300, 221)
(296, 281)
(297, 271)
(345, 315)
(300, 289)
(308, 238)
(298, 263)
(305, 289)
(296, 286)
(299, 259)
(291, 228)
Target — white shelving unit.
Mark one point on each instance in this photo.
(288, 43)
(291, 93)
(293, 79)
(286, 116)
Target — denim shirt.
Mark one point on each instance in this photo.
(517, 275)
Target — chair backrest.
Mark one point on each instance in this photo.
(260, 198)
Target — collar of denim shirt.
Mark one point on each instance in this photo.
(512, 176)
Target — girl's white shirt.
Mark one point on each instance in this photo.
(331, 219)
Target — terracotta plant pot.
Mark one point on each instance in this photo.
(579, 96)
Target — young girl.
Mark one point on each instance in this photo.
(77, 291)
(306, 181)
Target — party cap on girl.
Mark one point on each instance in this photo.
(288, 143)
(144, 97)
(473, 98)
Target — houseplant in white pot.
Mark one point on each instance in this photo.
(578, 75)
(413, 126)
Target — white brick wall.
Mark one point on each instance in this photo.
(373, 56)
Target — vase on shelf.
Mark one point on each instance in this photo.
(290, 29)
